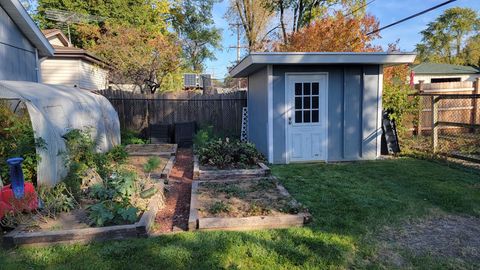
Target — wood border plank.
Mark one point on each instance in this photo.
(86, 235)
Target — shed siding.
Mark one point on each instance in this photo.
(61, 72)
(258, 110)
(17, 54)
(352, 110)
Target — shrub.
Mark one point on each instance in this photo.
(114, 205)
(223, 153)
(56, 199)
(203, 136)
(131, 137)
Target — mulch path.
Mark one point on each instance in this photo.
(174, 216)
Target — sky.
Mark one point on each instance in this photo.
(387, 11)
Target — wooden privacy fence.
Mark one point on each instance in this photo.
(139, 111)
(465, 110)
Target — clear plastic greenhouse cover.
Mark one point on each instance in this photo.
(54, 110)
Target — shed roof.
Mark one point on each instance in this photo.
(255, 61)
(25, 23)
(434, 68)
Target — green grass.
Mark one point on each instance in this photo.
(349, 203)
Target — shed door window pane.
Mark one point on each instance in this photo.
(306, 89)
(298, 89)
(298, 116)
(315, 88)
(307, 102)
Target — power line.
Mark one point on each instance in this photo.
(359, 8)
(410, 17)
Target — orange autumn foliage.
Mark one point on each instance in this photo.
(336, 33)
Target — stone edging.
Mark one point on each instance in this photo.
(199, 174)
(243, 223)
(139, 229)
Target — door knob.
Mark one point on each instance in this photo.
(289, 120)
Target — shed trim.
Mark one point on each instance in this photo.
(270, 112)
(255, 61)
(379, 110)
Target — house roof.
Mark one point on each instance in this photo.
(68, 51)
(255, 61)
(20, 17)
(434, 68)
(50, 33)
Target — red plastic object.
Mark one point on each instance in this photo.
(8, 202)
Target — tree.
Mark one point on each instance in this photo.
(472, 51)
(151, 15)
(192, 19)
(135, 55)
(306, 11)
(335, 33)
(255, 18)
(444, 38)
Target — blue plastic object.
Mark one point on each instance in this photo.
(16, 177)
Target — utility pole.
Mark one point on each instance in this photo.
(238, 46)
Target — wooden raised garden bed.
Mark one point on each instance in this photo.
(140, 153)
(205, 173)
(164, 149)
(260, 203)
(141, 228)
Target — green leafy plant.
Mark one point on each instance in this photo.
(219, 207)
(99, 214)
(224, 153)
(56, 199)
(131, 137)
(17, 139)
(203, 136)
(118, 154)
(152, 164)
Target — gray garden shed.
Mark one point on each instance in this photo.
(306, 107)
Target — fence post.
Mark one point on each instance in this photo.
(476, 90)
(420, 108)
(435, 100)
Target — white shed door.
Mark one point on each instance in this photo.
(306, 117)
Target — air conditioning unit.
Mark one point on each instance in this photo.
(190, 80)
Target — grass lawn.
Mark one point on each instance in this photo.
(351, 205)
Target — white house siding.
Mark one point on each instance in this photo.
(92, 77)
(74, 72)
(17, 55)
(61, 71)
(463, 77)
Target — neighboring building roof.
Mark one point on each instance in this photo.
(255, 61)
(68, 51)
(51, 33)
(434, 68)
(25, 23)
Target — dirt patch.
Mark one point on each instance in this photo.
(446, 236)
(136, 163)
(244, 198)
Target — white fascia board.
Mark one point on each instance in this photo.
(257, 60)
(28, 27)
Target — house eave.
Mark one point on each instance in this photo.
(255, 61)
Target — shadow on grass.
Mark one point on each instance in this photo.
(349, 202)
